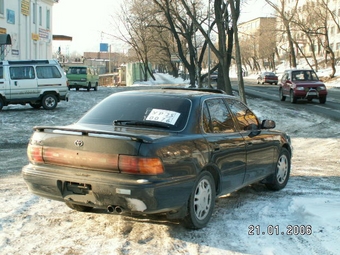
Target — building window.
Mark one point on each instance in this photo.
(2, 7)
(48, 19)
(40, 15)
(34, 13)
(337, 46)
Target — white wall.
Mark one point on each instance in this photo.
(22, 27)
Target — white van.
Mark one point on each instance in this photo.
(37, 82)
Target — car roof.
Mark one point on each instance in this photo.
(182, 92)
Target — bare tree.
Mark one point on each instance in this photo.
(235, 14)
(184, 34)
(225, 40)
(286, 14)
(136, 19)
(326, 15)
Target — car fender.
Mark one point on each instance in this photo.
(216, 173)
(2, 94)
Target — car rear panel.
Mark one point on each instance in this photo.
(82, 168)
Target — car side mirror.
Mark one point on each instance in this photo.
(268, 124)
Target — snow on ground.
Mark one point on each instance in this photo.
(301, 219)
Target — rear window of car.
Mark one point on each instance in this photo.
(169, 110)
(77, 70)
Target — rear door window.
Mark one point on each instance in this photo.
(245, 117)
(216, 117)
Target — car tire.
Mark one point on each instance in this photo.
(49, 101)
(1, 103)
(89, 87)
(79, 208)
(322, 100)
(293, 99)
(282, 97)
(282, 171)
(201, 202)
(258, 82)
(35, 105)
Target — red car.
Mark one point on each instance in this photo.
(267, 77)
(302, 84)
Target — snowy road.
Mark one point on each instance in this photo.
(301, 219)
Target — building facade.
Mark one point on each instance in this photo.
(258, 42)
(26, 29)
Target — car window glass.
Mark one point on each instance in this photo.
(220, 120)
(1, 72)
(48, 72)
(206, 124)
(164, 109)
(22, 72)
(245, 117)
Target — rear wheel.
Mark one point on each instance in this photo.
(282, 171)
(293, 99)
(201, 202)
(79, 208)
(282, 97)
(1, 103)
(89, 86)
(49, 102)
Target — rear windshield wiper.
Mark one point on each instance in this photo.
(141, 123)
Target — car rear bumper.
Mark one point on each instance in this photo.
(270, 81)
(65, 97)
(104, 189)
(78, 84)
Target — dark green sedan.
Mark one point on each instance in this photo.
(163, 151)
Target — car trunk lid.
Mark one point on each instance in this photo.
(77, 146)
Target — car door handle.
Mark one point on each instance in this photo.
(15, 83)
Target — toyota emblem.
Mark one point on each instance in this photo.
(79, 143)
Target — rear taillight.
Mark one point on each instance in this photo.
(91, 160)
(139, 165)
(35, 154)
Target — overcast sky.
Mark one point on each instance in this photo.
(85, 20)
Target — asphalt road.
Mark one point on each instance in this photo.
(330, 109)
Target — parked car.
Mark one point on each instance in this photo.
(169, 151)
(302, 84)
(267, 77)
(34, 82)
(82, 77)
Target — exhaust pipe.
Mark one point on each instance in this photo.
(114, 209)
